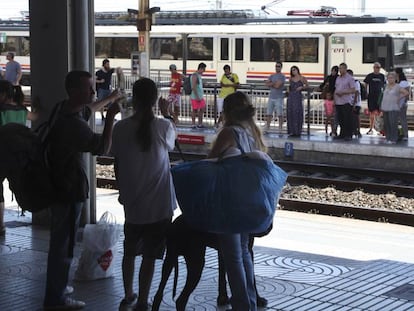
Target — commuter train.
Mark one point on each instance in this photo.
(250, 49)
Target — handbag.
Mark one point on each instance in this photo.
(99, 249)
(229, 195)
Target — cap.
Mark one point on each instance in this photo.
(173, 67)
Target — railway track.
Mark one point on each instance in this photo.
(320, 176)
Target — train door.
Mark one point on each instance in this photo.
(232, 52)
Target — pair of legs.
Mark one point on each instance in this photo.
(240, 271)
(64, 224)
(148, 240)
(345, 120)
(403, 121)
(391, 125)
(174, 102)
(356, 122)
(198, 108)
(373, 109)
(275, 105)
(329, 120)
(220, 102)
(101, 95)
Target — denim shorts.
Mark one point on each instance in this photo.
(275, 104)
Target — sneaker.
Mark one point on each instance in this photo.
(200, 126)
(70, 304)
(193, 127)
(405, 138)
(128, 302)
(68, 290)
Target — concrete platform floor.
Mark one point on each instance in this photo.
(308, 262)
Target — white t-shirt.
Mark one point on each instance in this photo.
(144, 179)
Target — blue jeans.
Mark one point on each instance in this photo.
(240, 271)
(103, 93)
(64, 224)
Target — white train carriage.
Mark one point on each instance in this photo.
(250, 49)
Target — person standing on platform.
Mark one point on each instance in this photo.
(174, 96)
(229, 83)
(103, 82)
(390, 107)
(276, 84)
(13, 72)
(198, 104)
(329, 107)
(374, 83)
(297, 84)
(344, 92)
(140, 146)
(238, 126)
(402, 81)
(69, 138)
(328, 86)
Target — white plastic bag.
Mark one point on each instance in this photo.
(99, 249)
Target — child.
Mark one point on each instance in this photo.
(329, 113)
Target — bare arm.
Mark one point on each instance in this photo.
(224, 140)
(97, 105)
(109, 122)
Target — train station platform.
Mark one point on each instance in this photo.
(308, 262)
(369, 151)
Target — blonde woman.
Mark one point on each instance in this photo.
(239, 126)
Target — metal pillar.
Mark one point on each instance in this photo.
(61, 37)
(49, 62)
(144, 27)
(81, 57)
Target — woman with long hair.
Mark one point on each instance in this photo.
(294, 116)
(239, 126)
(140, 146)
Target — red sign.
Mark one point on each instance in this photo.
(190, 139)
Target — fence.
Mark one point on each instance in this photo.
(314, 114)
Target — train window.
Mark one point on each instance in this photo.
(224, 49)
(115, 47)
(410, 45)
(200, 48)
(239, 49)
(303, 50)
(103, 47)
(18, 45)
(166, 48)
(374, 49)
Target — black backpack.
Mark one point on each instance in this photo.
(23, 161)
(187, 85)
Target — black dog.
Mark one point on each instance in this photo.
(185, 241)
